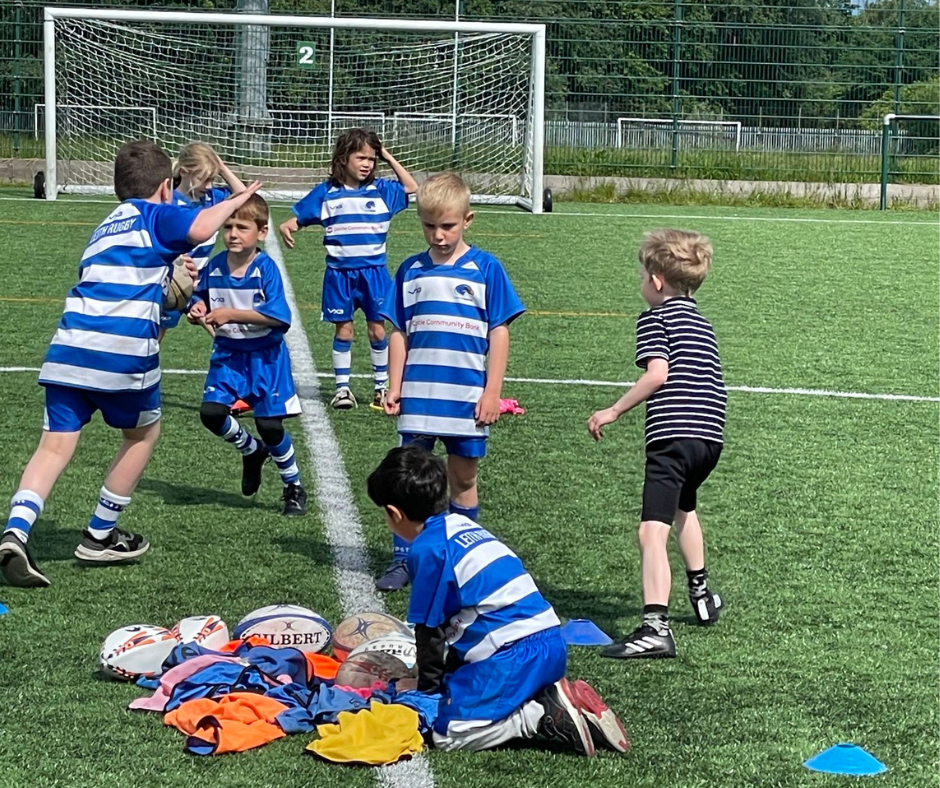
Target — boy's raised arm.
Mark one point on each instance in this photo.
(209, 220)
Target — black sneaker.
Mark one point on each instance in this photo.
(117, 546)
(251, 469)
(563, 721)
(706, 607)
(643, 643)
(295, 500)
(18, 566)
(606, 728)
(395, 577)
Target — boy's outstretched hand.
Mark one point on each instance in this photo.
(600, 419)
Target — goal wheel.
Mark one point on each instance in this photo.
(547, 200)
(39, 185)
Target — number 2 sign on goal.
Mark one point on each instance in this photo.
(306, 54)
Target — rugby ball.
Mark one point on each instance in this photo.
(361, 628)
(286, 626)
(395, 643)
(208, 631)
(137, 650)
(363, 670)
(177, 287)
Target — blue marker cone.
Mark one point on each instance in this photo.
(3, 609)
(846, 759)
(584, 632)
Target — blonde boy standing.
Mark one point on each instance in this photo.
(685, 416)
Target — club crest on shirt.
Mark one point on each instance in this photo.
(464, 291)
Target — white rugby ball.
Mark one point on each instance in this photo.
(286, 626)
(137, 650)
(208, 631)
(394, 643)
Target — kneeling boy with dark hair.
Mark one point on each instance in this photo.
(504, 676)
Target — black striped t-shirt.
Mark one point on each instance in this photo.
(692, 401)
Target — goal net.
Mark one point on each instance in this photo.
(271, 93)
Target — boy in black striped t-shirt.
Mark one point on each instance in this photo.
(685, 416)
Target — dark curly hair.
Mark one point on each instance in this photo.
(347, 144)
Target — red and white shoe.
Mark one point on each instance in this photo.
(606, 728)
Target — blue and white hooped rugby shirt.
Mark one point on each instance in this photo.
(476, 587)
(260, 288)
(355, 221)
(213, 196)
(447, 313)
(107, 337)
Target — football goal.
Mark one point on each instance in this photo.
(271, 92)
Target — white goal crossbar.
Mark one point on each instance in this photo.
(530, 129)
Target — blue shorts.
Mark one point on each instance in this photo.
(69, 409)
(468, 446)
(494, 688)
(362, 288)
(262, 378)
(170, 319)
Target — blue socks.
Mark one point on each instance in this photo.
(342, 361)
(238, 436)
(380, 363)
(283, 455)
(106, 513)
(25, 508)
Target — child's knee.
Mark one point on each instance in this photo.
(271, 431)
(376, 332)
(462, 473)
(344, 331)
(213, 416)
(653, 532)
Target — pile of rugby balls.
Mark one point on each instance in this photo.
(372, 646)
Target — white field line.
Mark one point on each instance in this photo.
(354, 582)
(683, 217)
(799, 392)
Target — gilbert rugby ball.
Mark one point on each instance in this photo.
(287, 626)
(397, 644)
(208, 631)
(135, 651)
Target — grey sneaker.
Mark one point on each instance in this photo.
(116, 547)
(343, 400)
(395, 577)
(18, 566)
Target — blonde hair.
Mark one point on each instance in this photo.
(681, 258)
(200, 162)
(443, 192)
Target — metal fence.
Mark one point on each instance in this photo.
(795, 89)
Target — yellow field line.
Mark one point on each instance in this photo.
(316, 307)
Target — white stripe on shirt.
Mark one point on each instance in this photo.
(438, 357)
(93, 307)
(106, 343)
(86, 377)
(510, 633)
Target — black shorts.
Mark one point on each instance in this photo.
(675, 469)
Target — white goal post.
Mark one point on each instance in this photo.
(271, 92)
